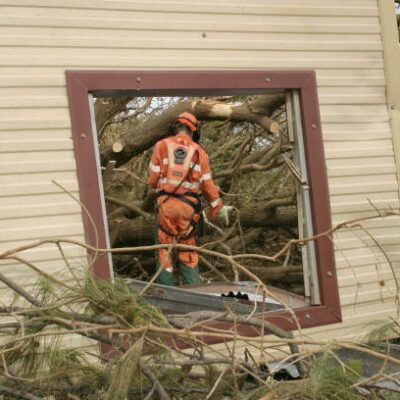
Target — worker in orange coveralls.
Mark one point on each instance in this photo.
(179, 169)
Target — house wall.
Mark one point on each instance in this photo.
(340, 40)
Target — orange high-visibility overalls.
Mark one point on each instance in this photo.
(179, 169)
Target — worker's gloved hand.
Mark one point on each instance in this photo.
(223, 215)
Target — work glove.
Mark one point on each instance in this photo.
(223, 215)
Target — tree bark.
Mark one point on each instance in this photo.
(106, 108)
(150, 131)
(145, 135)
(138, 232)
(278, 275)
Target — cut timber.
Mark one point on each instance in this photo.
(117, 147)
(147, 133)
(278, 275)
(108, 172)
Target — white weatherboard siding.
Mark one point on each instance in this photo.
(340, 40)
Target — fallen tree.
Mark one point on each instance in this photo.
(143, 359)
(247, 142)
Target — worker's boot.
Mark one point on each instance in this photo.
(190, 274)
(166, 278)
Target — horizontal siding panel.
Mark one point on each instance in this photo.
(39, 210)
(354, 113)
(355, 133)
(370, 273)
(335, 163)
(368, 310)
(345, 203)
(357, 258)
(205, 26)
(348, 259)
(360, 323)
(363, 149)
(34, 222)
(359, 152)
(97, 38)
(29, 100)
(370, 169)
(361, 263)
(359, 208)
(15, 142)
(351, 95)
(340, 218)
(391, 222)
(35, 206)
(44, 227)
(361, 180)
(29, 278)
(364, 293)
(285, 7)
(144, 58)
(385, 283)
(358, 239)
(31, 188)
(54, 267)
(24, 77)
(36, 162)
(40, 166)
(31, 118)
(32, 16)
(393, 251)
(350, 77)
(388, 184)
(45, 252)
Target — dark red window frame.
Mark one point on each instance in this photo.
(177, 83)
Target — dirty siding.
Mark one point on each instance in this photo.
(341, 40)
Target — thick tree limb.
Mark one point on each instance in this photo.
(265, 214)
(18, 289)
(130, 206)
(150, 131)
(106, 108)
(260, 215)
(159, 388)
(145, 135)
(21, 394)
(255, 111)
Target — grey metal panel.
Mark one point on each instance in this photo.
(179, 300)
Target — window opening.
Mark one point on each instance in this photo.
(250, 186)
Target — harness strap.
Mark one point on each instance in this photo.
(195, 206)
(164, 230)
(196, 211)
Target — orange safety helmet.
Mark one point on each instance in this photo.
(188, 119)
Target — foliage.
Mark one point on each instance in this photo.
(329, 381)
(43, 364)
(117, 298)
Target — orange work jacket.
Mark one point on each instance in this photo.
(198, 181)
